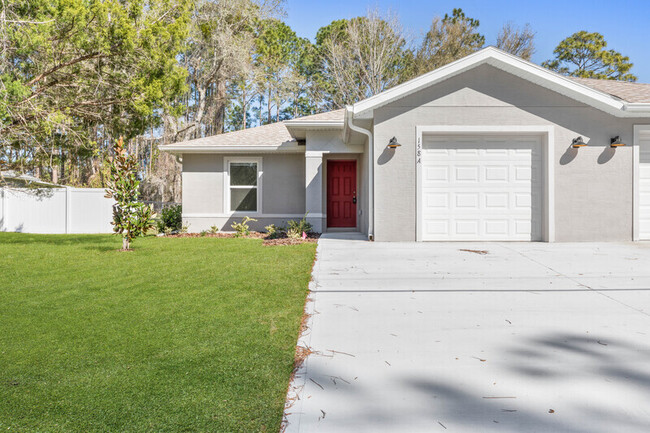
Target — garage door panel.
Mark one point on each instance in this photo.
(497, 227)
(490, 189)
(466, 173)
(467, 227)
(496, 173)
(437, 227)
(436, 173)
(467, 200)
(497, 200)
(437, 200)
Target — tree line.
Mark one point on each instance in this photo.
(77, 74)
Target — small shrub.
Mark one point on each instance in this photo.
(171, 217)
(131, 218)
(184, 229)
(203, 233)
(273, 231)
(242, 228)
(295, 229)
(167, 231)
(213, 230)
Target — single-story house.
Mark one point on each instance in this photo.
(489, 148)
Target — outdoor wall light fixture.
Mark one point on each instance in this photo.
(616, 142)
(393, 144)
(578, 142)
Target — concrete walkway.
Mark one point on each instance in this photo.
(425, 337)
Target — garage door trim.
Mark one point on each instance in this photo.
(636, 196)
(548, 193)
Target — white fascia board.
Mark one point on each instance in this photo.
(183, 148)
(503, 61)
(638, 109)
(314, 124)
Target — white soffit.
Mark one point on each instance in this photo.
(515, 66)
(289, 147)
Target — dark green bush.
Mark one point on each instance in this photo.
(170, 219)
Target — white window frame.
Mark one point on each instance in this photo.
(227, 186)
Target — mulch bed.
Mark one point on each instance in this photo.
(280, 240)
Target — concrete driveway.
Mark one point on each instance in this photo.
(528, 337)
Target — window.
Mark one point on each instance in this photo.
(243, 194)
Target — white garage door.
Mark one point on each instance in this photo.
(481, 188)
(644, 186)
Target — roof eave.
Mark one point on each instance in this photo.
(179, 149)
(638, 109)
(298, 128)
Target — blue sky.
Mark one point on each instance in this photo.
(624, 23)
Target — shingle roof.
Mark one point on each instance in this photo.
(271, 134)
(629, 92)
(328, 115)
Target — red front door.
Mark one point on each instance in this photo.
(341, 193)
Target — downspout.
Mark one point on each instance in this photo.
(371, 170)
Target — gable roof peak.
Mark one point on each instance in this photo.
(501, 60)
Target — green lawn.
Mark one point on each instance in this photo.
(191, 334)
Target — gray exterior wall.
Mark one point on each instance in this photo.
(283, 190)
(593, 185)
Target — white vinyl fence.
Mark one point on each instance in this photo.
(55, 210)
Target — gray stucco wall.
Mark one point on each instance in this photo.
(593, 185)
(283, 190)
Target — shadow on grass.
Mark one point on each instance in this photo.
(103, 248)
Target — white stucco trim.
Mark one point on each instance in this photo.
(636, 160)
(226, 185)
(510, 64)
(548, 133)
(239, 214)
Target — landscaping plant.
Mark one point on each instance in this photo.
(131, 218)
(295, 229)
(242, 228)
(170, 218)
(273, 231)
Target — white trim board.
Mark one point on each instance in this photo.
(636, 161)
(548, 141)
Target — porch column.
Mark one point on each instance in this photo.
(314, 189)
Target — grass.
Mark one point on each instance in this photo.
(192, 334)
